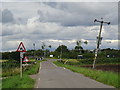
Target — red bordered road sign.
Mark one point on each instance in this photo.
(26, 60)
(21, 48)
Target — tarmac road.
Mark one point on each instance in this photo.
(51, 76)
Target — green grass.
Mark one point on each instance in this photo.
(10, 72)
(105, 77)
(52, 58)
(25, 82)
(11, 69)
(109, 61)
(17, 82)
(33, 69)
(3, 60)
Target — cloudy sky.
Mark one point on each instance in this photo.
(57, 23)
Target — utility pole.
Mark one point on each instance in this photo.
(99, 38)
(34, 49)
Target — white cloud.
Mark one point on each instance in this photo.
(62, 24)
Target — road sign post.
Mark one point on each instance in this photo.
(21, 57)
(21, 49)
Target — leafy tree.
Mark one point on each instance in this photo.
(79, 47)
(62, 49)
(43, 46)
(49, 46)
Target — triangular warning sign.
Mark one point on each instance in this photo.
(21, 48)
(25, 59)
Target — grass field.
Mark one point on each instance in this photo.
(3, 61)
(105, 77)
(25, 82)
(103, 61)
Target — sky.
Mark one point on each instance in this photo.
(57, 23)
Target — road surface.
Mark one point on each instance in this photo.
(51, 76)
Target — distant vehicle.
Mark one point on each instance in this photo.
(80, 57)
(51, 56)
(110, 56)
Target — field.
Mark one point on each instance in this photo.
(110, 67)
(110, 64)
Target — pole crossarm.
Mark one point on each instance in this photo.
(101, 21)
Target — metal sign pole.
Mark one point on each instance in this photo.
(21, 56)
(21, 49)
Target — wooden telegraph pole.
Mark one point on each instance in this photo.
(99, 38)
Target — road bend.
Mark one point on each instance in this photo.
(52, 76)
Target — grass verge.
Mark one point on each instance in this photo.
(24, 82)
(33, 69)
(17, 82)
(105, 77)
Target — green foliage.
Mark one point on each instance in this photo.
(10, 67)
(90, 61)
(10, 72)
(73, 54)
(17, 82)
(109, 78)
(33, 69)
(64, 50)
(11, 55)
(38, 52)
(88, 55)
(25, 82)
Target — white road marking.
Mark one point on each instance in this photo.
(39, 73)
(54, 65)
(40, 68)
(64, 68)
(38, 82)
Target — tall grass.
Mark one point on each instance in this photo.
(25, 82)
(105, 77)
(17, 82)
(10, 72)
(89, 61)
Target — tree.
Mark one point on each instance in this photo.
(63, 47)
(79, 47)
(49, 46)
(64, 50)
(43, 46)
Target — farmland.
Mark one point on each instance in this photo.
(108, 64)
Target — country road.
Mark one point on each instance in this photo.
(51, 76)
